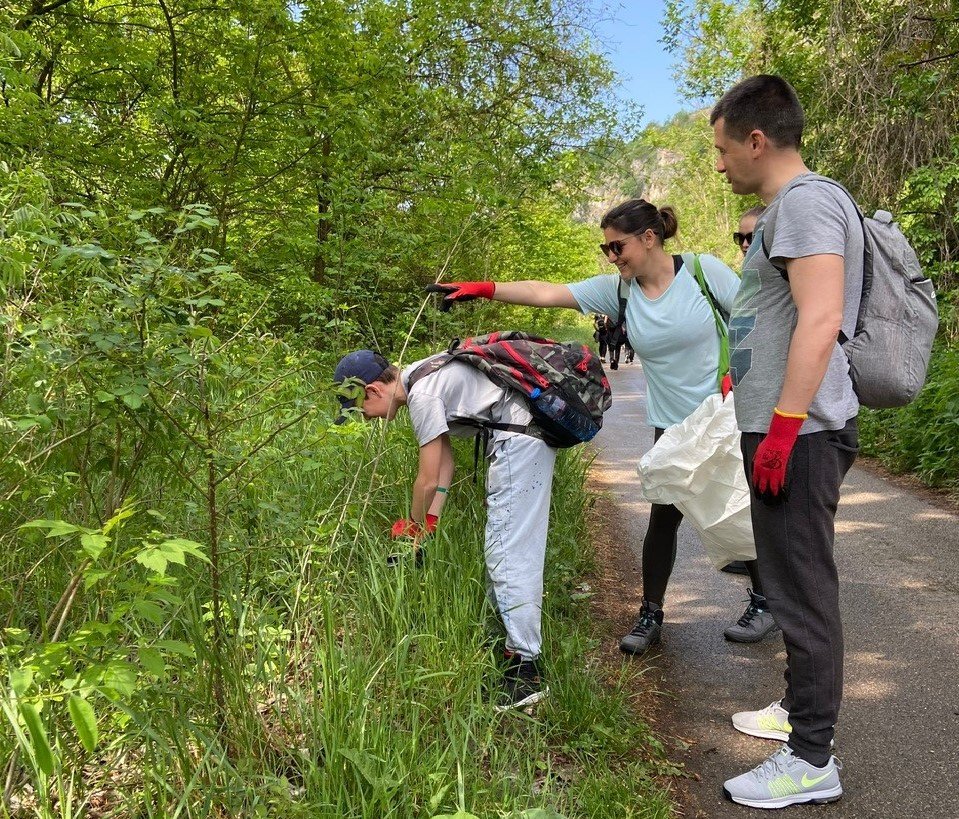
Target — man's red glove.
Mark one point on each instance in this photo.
(772, 455)
(461, 291)
(726, 385)
(410, 528)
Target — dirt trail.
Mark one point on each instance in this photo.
(898, 555)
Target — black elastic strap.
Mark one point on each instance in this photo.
(622, 302)
(484, 428)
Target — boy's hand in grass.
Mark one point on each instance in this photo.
(410, 528)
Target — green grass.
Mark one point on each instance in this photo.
(329, 684)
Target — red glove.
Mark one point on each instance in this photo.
(772, 454)
(410, 528)
(726, 385)
(461, 291)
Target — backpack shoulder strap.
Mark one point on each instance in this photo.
(428, 368)
(770, 217)
(695, 267)
(623, 294)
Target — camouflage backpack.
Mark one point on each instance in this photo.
(564, 383)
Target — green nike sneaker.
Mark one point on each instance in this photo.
(784, 779)
(771, 722)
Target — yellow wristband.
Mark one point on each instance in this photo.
(802, 416)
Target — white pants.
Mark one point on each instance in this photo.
(518, 486)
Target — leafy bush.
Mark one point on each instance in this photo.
(202, 617)
(924, 436)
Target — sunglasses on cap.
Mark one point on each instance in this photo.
(743, 238)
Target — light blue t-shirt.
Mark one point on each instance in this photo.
(674, 336)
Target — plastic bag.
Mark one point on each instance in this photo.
(698, 467)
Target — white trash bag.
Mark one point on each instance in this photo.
(698, 467)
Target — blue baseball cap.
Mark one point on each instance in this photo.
(364, 366)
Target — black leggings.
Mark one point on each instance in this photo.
(659, 549)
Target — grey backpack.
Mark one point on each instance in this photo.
(889, 351)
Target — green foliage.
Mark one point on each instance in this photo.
(350, 153)
(199, 616)
(879, 86)
(922, 437)
(717, 41)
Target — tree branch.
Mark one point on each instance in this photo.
(929, 60)
(174, 55)
(38, 10)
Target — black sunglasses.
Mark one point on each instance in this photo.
(743, 238)
(615, 247)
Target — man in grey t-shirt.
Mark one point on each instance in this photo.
(796, 408)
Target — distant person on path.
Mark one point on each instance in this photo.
(518, 485)
(630, 352)
(796, 408)
(601, 334)
(673, 331)
(617, 337)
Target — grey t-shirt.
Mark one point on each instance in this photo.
(446, 401)
(806, 218)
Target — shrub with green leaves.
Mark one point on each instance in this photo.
(201, 617)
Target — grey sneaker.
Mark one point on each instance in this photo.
(784, 779)
(645, 633)
(756, 622)
(771, 722)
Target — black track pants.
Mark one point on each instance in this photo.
(794, 546)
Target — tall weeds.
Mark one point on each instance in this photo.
(198, 618)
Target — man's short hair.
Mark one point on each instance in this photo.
(764, 103)
(362, 367)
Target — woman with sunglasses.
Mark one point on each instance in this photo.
(757, 621)
(671, 327)
(747, 224)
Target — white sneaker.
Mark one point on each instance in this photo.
(784, 779)
(771, 722)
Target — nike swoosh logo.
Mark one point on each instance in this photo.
(808, 783)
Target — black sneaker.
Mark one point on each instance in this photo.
(416, 555)
(736, 567)
(522, 687)
(757, 621)
(646, 632)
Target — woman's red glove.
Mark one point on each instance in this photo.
(772, 455)
(461, 291)
(726, 385)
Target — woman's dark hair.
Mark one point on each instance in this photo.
(764, 103)
(638, 216)
(755, 212)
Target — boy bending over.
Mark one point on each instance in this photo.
(457, 400)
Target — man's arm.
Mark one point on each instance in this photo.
(817, 285)
(435, 469)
